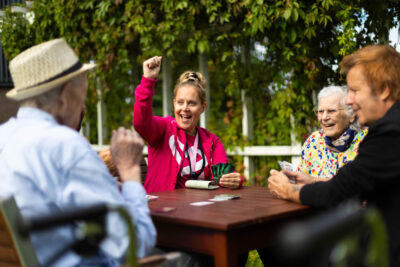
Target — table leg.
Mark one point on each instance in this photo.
(225, 254)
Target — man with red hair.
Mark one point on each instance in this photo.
(373, 79)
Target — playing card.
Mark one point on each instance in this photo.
(223, 197)
(201, 203)
(288, 166)
(220, 169)
(166, 209)
(151, 198)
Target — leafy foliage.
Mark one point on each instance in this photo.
(278, 51)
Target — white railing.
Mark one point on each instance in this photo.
(249, 152)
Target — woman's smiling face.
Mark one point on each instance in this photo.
(188, 108)
(333, 116)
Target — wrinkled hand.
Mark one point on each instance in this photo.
(280, 187)
(126, 151)
(301, 177)
(230, 180)
(151, 67)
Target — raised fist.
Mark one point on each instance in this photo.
(151, 67)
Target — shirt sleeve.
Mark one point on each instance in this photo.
(135, 195)
(88, 182)
(151, 128)
(218, 154)
(303, 161)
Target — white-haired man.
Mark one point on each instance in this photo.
(49, 167)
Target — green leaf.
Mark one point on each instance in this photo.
(292, 35)
(287, 13)
(295, 15)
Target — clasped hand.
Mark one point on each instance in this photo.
(230, 180)
(280, 186)
(126, 150)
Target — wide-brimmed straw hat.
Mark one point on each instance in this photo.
(44, 67)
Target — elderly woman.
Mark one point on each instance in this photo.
(335, 144)
(373, 79)
(328, 149)
(179, 150)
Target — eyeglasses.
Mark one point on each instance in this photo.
(331, 112)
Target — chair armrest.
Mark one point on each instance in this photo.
(155, 260)
(158, 259)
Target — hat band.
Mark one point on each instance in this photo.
(71, 69)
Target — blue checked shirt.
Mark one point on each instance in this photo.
(49, 168)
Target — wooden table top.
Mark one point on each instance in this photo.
(255, 205)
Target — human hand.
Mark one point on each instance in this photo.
(151, 67)
(126, 152)
(230, 180)
(300, 177)
(280, 187)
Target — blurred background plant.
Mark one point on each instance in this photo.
(280, 52)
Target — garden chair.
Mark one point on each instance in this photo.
(16, 248)
(351, 235)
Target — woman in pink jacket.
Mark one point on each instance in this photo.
(179, 150)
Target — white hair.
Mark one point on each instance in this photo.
(49, 99)
(334, 89)
(44, 101)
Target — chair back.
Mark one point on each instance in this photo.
(15, 250)
(351, 235)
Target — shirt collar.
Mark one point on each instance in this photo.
(35, 113)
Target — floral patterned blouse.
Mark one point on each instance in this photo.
(318, 160)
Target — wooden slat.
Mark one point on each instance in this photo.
(2, 222)
(5, 238)
(8, 255)
(7, 264)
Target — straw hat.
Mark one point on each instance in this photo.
(43, 67)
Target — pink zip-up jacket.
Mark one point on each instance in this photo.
(166, 141)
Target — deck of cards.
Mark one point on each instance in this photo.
(288, 166)
(220, 169)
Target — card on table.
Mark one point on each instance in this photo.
(201, 203)
(223, 197)
(166, 209)
(151, 198)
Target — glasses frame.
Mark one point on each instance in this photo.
(330, 111)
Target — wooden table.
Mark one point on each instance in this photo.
(224, 229)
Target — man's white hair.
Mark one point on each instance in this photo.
(332, 90)
(49, 99)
